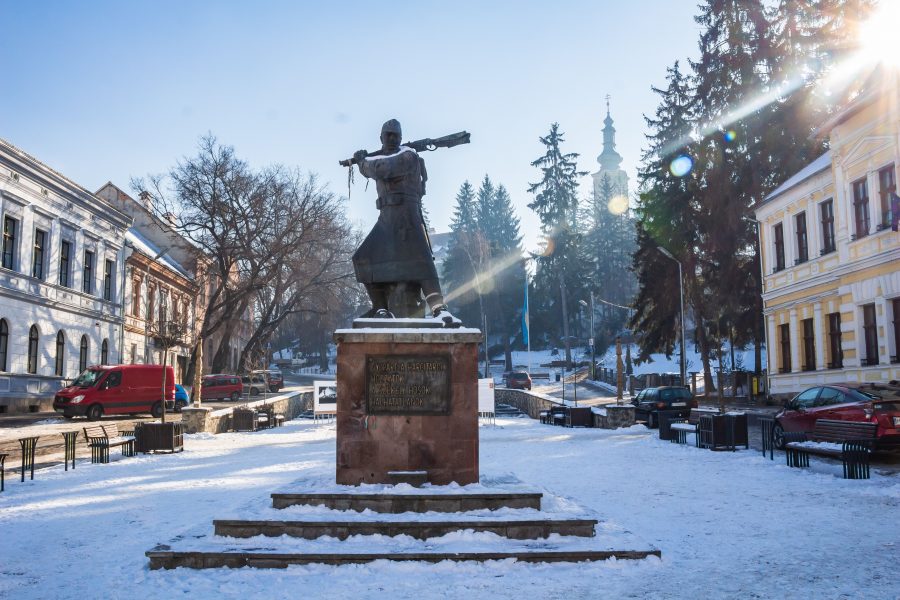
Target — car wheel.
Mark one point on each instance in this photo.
(68, 417)
(95, 412)
(235, 396)
(778, 436)
(254, 392)
(273, 389)
(180, 405)
(651, 420)
(156, 410)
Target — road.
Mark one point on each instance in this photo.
(49, 427)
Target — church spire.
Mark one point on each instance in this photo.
(609, 159)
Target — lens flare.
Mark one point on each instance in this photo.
(681, 166)
(617, 205)
(730, 135)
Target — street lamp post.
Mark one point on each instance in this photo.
(591, 339)
(668, 254)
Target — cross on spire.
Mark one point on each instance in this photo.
(607, 104)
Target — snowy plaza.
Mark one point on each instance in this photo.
(728, 525)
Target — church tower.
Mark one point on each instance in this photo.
(610, 160)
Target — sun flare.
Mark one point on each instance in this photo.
(878, 34)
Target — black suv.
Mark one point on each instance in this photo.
(648, 402)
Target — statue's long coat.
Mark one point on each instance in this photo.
(397, 248)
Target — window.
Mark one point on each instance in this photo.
(65, 254)
(108, 279)
(785, 331)
(33, 349)
(133, 353)
(802, 240)
(807, 399)
(861, 207)
(151, 301)
(809, 346)
(10, 226)
(59, 371)
(834, 341)
(895, 303)
(887, 185)
(37, 258)
(827, 209)
(4, 343)
(114, 379)
(87, 283)
(104, 352)
(779, 247)
(136, 297)
(870, 333)
(163, 307)
(829, 396)
(83, 354)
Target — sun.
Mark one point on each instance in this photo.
(878, 34)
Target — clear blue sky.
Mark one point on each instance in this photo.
(103, 91)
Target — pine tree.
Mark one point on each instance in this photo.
(459, 277)
(560, 271)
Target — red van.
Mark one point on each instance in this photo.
(116, 390)
(222, 387)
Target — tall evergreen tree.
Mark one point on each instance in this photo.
(559, 280)
(459, 269)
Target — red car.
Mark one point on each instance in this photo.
(518, 380)
(222, 387)
(870, 403)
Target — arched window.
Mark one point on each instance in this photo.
(104, 352)
(33, 349)
(83, 354)
(4, 341)
(60, 354)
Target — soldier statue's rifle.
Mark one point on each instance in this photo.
(447, 141)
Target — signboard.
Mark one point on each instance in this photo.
(486, 396)
(325, 397)
(404, 385)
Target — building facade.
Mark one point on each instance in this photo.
(61, 281)
(161, 293)
(830, 261)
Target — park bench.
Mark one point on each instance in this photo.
(682, 427)
(849, 441)
(100, 438)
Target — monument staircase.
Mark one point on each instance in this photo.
(402, 524)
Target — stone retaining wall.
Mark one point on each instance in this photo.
(616, 416)
(530, 403)
(207, 420)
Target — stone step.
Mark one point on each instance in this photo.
(519, 529)
(165, 559)
(399, 503)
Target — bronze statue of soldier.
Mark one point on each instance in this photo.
(395, 262)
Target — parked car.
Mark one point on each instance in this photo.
(274, 378)
(116, 390)
(221, 387)
(253, 385)
(649, 401)
(866, 403)
(518, 380)
(181, 398)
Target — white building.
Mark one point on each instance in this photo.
(610, 162)
(61, 281)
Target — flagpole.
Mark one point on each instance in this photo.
(528, 320)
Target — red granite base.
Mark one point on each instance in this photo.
(369, 446)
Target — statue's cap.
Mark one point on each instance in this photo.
(393, 125)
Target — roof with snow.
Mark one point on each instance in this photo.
(817, 166)
(138, 241)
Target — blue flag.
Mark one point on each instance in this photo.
(525, 315)
(895, 211)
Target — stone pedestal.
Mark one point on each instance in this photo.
(407, 401)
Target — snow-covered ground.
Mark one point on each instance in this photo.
(729, 525)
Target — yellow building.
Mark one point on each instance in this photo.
(830, 261)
